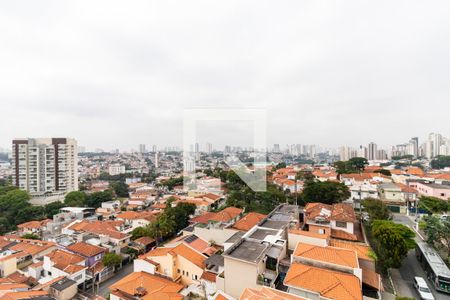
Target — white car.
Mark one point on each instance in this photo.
(422, 288)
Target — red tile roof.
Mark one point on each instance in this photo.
(329, 284)
(248, 221)
(85, 249)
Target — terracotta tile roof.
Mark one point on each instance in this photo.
(266, 293)
(181, 250)
(85, 249)
(150, 286)
(248, 221)
(415, 171)
(134, 215)
(329, 284)
(372, 279)
(34, 224)
(13, 286)
(332, 255)
(212, 196)
(442, 176)
(309, 233)
(362, 250)
(204, 218)
(145, 240)
(343, 212)
(18, 277)
(208, 276)
(24, 295)
(343, 235)
(100, 227)
(66, 261)
(30, 247)
(407, 189)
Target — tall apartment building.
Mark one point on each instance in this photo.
(372, 151)
(142, 148)
(45, 166)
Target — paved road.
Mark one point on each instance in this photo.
(403, 277)
(104, 287)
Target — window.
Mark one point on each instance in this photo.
(78, 277)
(321, 231)
(183, 272)
(341, 224)
(179, 271)
(194, 277)
(187, 273)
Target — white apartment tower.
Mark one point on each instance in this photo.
(45, 165)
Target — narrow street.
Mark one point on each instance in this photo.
(403, 277)
(104, 287)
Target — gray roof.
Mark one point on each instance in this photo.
(63, 284)
(216, 259)
(248, 251)
(260, 234)
(235, 237)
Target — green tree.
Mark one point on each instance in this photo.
(405, 232)
(163, 227)
(96, 199)
(139, 232)
(75, 199)
(53, 208)
(438, 233)
(13, 204)
(390, 246)
(384, 172)
(30, 236)
(359, 163)
(376, 209)
(280, 165)
(181, 214)
(433, 204)
(440, 162)
(111, 260)
(328, 192)
(120, 188)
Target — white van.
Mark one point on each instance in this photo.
(422, 288)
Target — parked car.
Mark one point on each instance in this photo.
(422, 288)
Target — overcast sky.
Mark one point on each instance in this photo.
(116, 74)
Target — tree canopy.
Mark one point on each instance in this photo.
(390, 243)
(433, 204)
(376, 209)
(441, 162)
(353, 165)
(111, 260)
(75, 199)
(438, 233)
(328, 192)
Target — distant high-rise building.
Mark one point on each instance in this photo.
(154, 148)
(156, 160)
(197, 148)
(372, 151)
(209, 148)
(276, 148)
(414, 150)
(347, 153)
(45, 165)
(142, 148)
